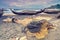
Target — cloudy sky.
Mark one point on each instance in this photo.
(35, 4)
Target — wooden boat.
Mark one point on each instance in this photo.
(1, 12)
(52, 11)
(27, 13)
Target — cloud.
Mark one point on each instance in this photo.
(27, 3)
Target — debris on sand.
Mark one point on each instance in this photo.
(23, 38)
(26, 21)
(56, 22)
(42, 17)
(13, 20)
(18, 38)
(7, 20)
(39, 29)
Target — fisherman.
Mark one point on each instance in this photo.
(38, 29)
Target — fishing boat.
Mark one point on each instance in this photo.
(52, 11)
(27, 12)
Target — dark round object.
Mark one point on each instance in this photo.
(34, 26)
(58, 17)
(13, 20)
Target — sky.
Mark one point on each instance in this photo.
(28, 4)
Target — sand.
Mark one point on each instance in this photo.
(9, 30)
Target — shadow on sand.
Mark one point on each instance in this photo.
(3, 17)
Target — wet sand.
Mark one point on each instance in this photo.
(8, 30)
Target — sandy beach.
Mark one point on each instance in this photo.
(9, 30)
